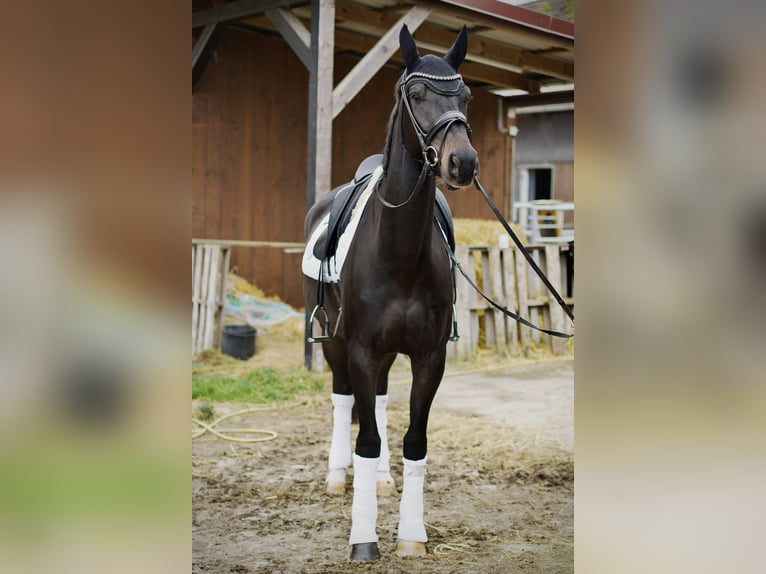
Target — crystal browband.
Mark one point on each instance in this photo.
(433, 77)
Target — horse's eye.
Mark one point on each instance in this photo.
(416, 97)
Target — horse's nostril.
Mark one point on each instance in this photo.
(454, 165)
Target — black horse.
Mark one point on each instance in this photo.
(396, 288)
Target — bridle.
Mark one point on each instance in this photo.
(431, 156)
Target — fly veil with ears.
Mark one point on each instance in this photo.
(441, 77)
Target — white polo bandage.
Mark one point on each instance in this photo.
(381, 418)
(364, 509)
(340, 447)
(411, 525)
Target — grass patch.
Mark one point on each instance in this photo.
(261, 385)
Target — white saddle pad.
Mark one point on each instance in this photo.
(333, 266)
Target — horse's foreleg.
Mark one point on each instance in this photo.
(364, 509)
(412, 535)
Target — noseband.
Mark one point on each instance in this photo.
(431, 156)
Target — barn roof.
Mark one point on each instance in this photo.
(509, 46)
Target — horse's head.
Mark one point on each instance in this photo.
(436, 100)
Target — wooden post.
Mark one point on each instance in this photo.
(320, 111)
(509, 294)
(556, 313)
(196, 274)
(495, 281)
(320, 99)
(522, 287)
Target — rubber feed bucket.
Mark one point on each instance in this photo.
(238, 341)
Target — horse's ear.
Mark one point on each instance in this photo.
(456, 54)
(408, 48)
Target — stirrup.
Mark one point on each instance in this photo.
(325, 336)
(454, 336)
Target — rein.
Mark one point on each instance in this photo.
(527, 256)
(529, 259)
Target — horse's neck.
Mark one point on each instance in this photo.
(405, 233)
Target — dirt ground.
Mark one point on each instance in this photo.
(498, 492)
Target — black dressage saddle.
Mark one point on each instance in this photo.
(346, 197)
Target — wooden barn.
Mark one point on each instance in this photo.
(289, 96)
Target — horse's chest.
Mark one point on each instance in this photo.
(404, 322)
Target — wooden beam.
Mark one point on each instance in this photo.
(470, 70)
(470, 16)
(375, 58)
(203, 49)
(237, 10)
(480, 49)
(541, 99)
(293, 31)
(356, 42)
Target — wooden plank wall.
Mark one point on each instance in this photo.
(249, 137)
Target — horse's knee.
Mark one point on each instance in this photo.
(368, 446)
(415, 445)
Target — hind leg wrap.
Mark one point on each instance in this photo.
(340, 448)
(383, 476)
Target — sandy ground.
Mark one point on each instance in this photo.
(498, 494)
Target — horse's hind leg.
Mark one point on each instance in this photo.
(427, 374)
(342, 402)
(385, 485)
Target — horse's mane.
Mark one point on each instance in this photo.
(392, 126)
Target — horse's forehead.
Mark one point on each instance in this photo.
(431, 64)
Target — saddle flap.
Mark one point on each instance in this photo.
(444, 217)
(343, 205)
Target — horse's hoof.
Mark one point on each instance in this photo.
(384, 484)
(336, 481)
(410, 549)
(336, 488)
(365, 552)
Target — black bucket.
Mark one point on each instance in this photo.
(238, 341)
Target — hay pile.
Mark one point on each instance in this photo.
(477, 447)
(479, 232)
(242, 285)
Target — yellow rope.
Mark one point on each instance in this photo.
(270, 435)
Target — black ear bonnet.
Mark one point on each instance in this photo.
(439, 74)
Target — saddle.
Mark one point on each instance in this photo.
(346, 197)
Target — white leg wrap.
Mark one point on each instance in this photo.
(411, 525)
(381, 417)
(340, 448)
(364, 509)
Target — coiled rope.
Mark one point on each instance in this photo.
(225, 434)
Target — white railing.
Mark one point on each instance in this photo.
(543, 220)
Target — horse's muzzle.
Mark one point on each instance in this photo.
(463, 165)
